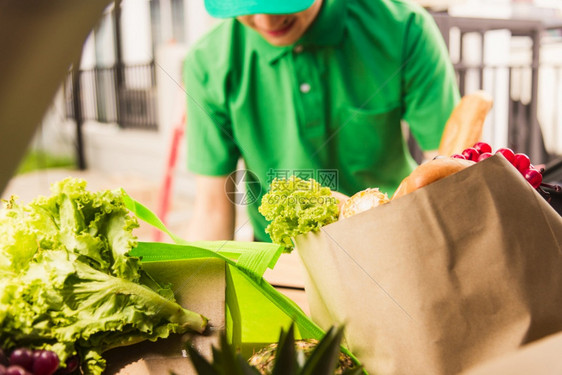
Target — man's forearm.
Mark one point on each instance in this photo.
(214, 212)
(206, 225)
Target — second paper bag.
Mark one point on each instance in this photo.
(453, 274)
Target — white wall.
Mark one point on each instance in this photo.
(198, 21)
(550, 96)
(145, 153)
(172, 97)
(136, 32)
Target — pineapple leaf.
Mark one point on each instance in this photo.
(286, 363)
(201, 365)
(217, 358)
(230, 363)
(245, 367)
(225, 361)
(323, 360)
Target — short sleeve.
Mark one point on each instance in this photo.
(211, 147)
(430, 87)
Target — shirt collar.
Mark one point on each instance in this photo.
(326, 30)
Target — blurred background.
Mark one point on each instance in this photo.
(118, 118)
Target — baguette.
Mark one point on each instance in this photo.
(464, 127)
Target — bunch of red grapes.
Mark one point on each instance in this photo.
(23, 361)
(521, 162)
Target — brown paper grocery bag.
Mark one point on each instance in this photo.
(541, 357)
(199, 285)
(453, 274)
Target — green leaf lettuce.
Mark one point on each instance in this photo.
(68, 284)
(295, 206)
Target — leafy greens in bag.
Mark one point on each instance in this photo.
(295, 206)
(67, 283)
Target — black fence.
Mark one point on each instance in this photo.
(123, 95)
(526, 86)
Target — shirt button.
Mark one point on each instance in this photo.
(304, 87)
(298, 49)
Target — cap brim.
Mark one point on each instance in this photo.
(235, 8)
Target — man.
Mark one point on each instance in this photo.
(319, 86)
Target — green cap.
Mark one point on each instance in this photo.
(235, 8)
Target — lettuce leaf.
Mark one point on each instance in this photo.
(68, 283)
(295, 206)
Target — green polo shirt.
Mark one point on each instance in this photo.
(329, 107)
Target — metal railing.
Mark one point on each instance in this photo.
(526, 114)
(521, 105)
(123, 95)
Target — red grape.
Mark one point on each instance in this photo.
(521, 162)
(482, 147)
(458, 156)
(72, 364)
(484, 155)
(534, 177)
(45, 362)
(471, 154)
(22, 357)
(506, 153)
(17, 370)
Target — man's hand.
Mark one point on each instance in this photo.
(214, 211)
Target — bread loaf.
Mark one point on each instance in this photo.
(429, 172)
(464, 127)
(363, 201)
